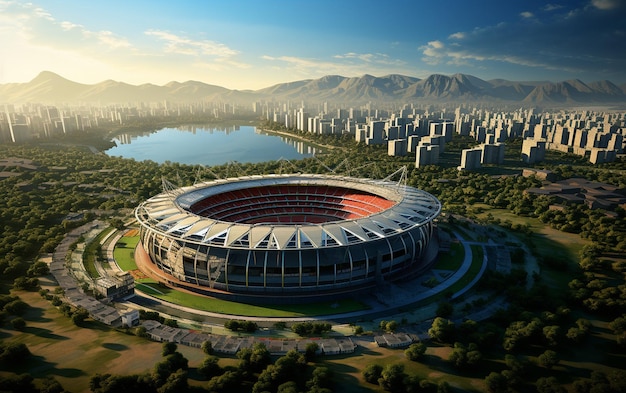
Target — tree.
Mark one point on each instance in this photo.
(392, 378)
(38, 269)
(415, 351)
(441, 330)
(549, 385)
(210, 367)
(141, 331)
(311, 350)
(228, 382)
(548, 359)
(175, 383)
(462, 357)
(496, 383)
(117, 223)
(22, 383)
(322, 377)
(254, 359)
(516, 365)
(13, 353)
(51, 385)
(207, 347)
(16, 307)
(168, 348)
(18, 323)
(260, 356)
(372, 372)
(551, 334)
(79, 316)
(288, 387)
(26, 283)
(580, 331)
(391, 326)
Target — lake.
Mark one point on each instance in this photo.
(209, 146)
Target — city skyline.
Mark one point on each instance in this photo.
(249, 45)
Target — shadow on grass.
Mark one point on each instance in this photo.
(35, 314)
(95, 325)
(370, 352)
(115, 347)
(38, 367)
(44, 333)
(344, 379)
(479, 371)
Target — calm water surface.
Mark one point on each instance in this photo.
(209, 146)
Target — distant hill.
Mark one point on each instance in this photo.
(575, 91)
(50, 88)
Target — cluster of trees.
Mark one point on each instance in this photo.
(170, 375)
(533, 344)
(12, 308)
(25, 383)
(241, 326)
(311, 328)
(155, 316)
(13, 354)
(256, 372)
(392, 378)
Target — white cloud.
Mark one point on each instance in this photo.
(186, 46)
(69, 26)
(371, 59)
(552, 7)
(347, 64)
(434, 52)
(110, 40)
(576, 42)
(607, 4)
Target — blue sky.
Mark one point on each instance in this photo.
(256, 44)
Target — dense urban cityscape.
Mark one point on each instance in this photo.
(410, 129)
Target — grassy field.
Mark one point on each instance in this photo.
(203, 303)
(73, 355)
(123, 252)
(433, 367)
(90, 253)
(451, 260)
(544, 237)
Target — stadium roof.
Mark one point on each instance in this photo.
(169, 213)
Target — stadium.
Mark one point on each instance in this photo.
(286, 238)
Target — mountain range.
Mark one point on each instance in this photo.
(50, 88)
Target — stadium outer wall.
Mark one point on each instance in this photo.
(286, 238)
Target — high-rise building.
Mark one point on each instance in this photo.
(470, 159)
(533, 151)
(397, 147)
(426, 154)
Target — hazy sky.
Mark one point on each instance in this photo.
(255, 44)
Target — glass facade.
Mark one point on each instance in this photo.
(242, 270)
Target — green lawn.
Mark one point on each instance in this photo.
(203, 303)
(124, 252)
(91, 250)
(477, 262)
(451, 260)
(545, 240)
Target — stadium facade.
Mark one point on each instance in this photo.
(286, 238)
